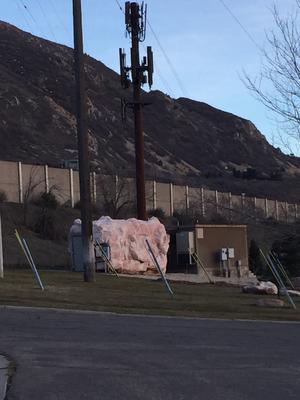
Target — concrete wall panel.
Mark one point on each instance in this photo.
(163, 197)
(272, 208)
(282, 212)
(260, 207)
(150, 202)
(33, 177)
(76, 187)
(59, 183)
(179, 196)
(9, 181)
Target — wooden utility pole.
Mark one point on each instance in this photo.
(135, 19)
(83, 148)
(138, 115)
(1, 250)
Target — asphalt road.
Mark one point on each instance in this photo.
(69, 355)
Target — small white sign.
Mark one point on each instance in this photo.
(223, 254)
(231, 253)
(199, 233)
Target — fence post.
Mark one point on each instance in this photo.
(202, 202)
(171, 199)
(276, 210)
(230, 205)
(71, 187)
(243, 202)
(94, 187)
(154, 195)
(217, 201)
(187, 198)
(255, 208)
(116, 187)
(46, 172)
(266, 208)
(20, 182)
(1, 250)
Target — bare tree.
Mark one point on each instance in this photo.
(115, 195)
(33, 190)
(224, 212)
(29, 190)
(278, 84)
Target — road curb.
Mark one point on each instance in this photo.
(4, 376)
(112, 313)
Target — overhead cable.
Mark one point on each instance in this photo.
(23, 5)
(119, 5)
(240, 24)
(58, 17)
(176, 76)
(47, 21)
(23, 15)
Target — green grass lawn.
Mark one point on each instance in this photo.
(136, 296)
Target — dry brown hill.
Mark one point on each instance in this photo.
(186, 141)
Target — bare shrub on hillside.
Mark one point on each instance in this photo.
(115, 196)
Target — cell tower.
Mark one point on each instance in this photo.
(141, 73)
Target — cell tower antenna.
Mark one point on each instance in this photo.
(140, 20)
(128, 17)
(143, 22)
(141, 73)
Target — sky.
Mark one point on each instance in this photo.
(200, 50)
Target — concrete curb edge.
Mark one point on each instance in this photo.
(4, 376)
(107, 313)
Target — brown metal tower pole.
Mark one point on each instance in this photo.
(138, 113)
(83, 148)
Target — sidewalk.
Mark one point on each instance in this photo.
(201, 278)
(4, 363)
(197, 278)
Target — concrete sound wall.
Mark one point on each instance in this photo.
(21, 182)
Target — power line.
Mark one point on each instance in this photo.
(23, 15)
(28, 11)
(119, 5)
(163, 81)
(59, 18)
(240, 24)
(177, 78)
(47, 21)
(23, 5)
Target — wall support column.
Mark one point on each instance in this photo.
(154, 194)
(266, 208)
(217, 201)
(46, 173)
(230, 205)
(171, 199)
(71, 186)
(202, 202)
(187, 199)
(20, 182)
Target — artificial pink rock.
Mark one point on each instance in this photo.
(127, 241)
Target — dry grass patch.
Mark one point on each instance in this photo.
(137, 296)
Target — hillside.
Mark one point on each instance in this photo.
(186, 141)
